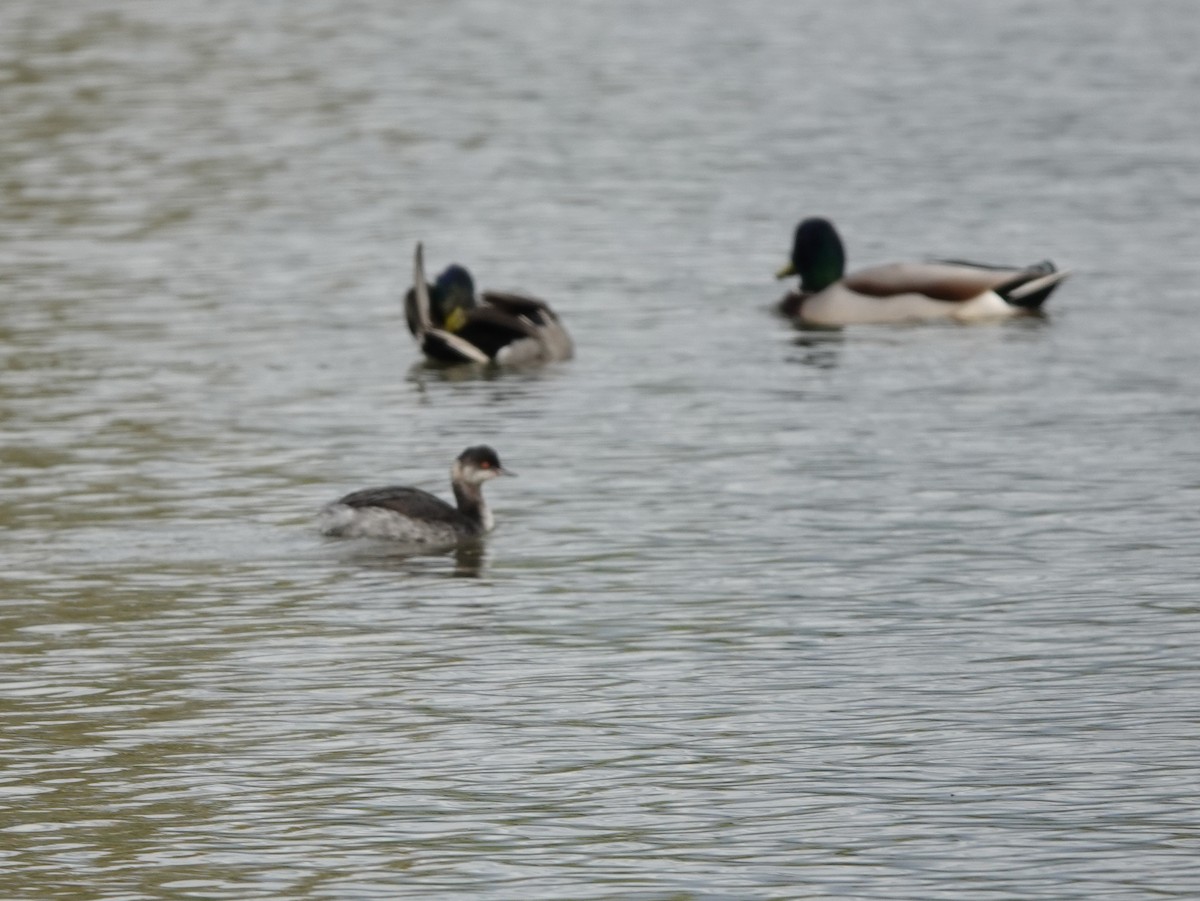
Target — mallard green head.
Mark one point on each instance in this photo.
(817, 256)
(452, 297)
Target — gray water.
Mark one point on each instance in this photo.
(886, 613)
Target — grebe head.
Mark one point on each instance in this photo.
(477, 465)
(818, 256)
(453, 296)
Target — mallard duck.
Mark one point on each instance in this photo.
(900, 292)
(414, 516)
(453, 325)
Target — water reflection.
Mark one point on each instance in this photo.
(469, 558)
(818, 348)
(504, 385)
(423, 372)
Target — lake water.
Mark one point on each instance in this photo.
(887, 613)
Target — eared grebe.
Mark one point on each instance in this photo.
(900, 292)
(453, 325)
(418, 517)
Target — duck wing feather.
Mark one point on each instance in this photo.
(536, 311)
(447, 347)
(940, 281)
(491, 329)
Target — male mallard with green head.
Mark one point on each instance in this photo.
(453, 325)
(904, 292)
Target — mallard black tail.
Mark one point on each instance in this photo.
(1032, 287)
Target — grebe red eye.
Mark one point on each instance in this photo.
(485, 465)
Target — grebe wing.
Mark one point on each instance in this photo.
(411, 502)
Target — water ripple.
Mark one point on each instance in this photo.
(897, 613)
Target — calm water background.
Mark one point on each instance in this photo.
(892, 613)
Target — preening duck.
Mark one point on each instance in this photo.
(902, 292)
(414, 516)
(453, 325)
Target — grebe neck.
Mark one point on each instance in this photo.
(472, 505)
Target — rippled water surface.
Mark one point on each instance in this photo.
(887, 613)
